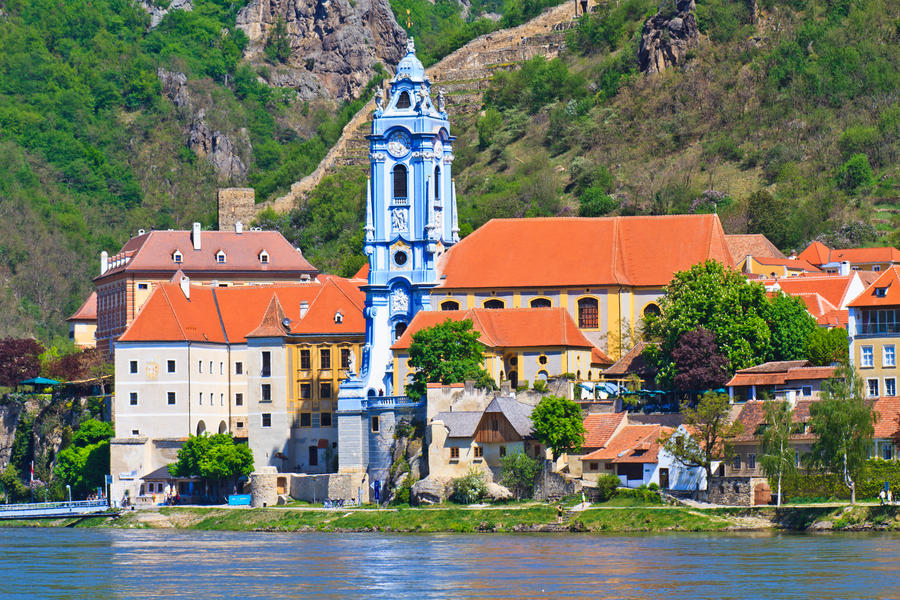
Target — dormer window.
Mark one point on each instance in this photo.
(338, 317)
(881, 292)
(264, 257)
(220, 257)
(177, 257)
(403, 100)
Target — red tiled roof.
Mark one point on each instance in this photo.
(638, 251)
(890, 280)
(631, 362)
(778, 375)
(632, 444)
(791, 263)
(752, 416)
(363, 272)
(599, 357)
(599, 427)
(751, 244)
(169, 316)
(87, 311)
(152, 252)
(506, 328)
(831, 287)
(888, 423)
(818, 253)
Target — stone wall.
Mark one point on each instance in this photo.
(264, 487)
(553, 486)
(738, 491)
(236, 204)
(333, 486)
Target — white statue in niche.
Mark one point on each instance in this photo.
(398, 220)
(379, 98)
(399, 301)
(351, 368)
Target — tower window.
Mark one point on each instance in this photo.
(437, 184)
(399, 328)
(400, 258)
(403, 100)
(400, 188)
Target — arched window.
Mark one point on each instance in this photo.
(651, 309)
(449, 305)
(223, 427)
(201, 428)
(437, 184)
(399, 328)
(543, 375)
(587, 313)
(494, 303)
(400, 181)
(540, 303)
(403, 100)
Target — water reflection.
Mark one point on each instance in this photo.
(163, 564)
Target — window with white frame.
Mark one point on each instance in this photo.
(890, 386)
(887, 451)
(866, 358)
(889, 355)
(872, 388)
(220, 257)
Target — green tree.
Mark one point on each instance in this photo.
(844, 423)
(769, 216)
(278, 46)
(855, 173)
(791, 325)
(85, 464)
(15, 490)
(594, 202)
(488, 127)
(517, 472)
(447, 353)
(776, 456)
(708, 429)
(216, 458)
(558, 424)
(827, 346)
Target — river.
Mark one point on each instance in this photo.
(100, 563)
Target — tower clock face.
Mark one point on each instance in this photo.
(398, 143)
(438, 148)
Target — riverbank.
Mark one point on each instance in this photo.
(520, 518)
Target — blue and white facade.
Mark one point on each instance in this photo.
(410, 221)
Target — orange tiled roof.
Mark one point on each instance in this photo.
(87, 311)
(870, 297)
(638, 251)
(506, 328)
(751, 244)
(791, 263)
(752, 416)
(363, 272)
(819, 254)
(152, 251)
(599, 427)
(632, 444)
(779, 376)
(631, 362)
(169, 316)
(888, 423)
(816, 253)
(599, 357)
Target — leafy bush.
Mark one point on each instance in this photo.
(537, 83)
(643, 494)
(606, 487)
(831, 485)
(470, 488)
(594, 202)
(855, 173)
(517, 472)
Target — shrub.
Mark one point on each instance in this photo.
(643, 494)
(855, 173)
(606, 487)
(470, 488)
(517, 472)
(594, 202)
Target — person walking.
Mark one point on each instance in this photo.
(881, 497)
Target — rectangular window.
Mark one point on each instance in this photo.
(345, 358)
(751, 461)
(375, 424)
(807, 390)
(866, 359)
(266, 364)
(266, 393)
(502, 451)
(315, 420)
(325, 358)
(238, 368)
(170, 366)
(132, 366)
(221, 368)
(239, 399)
(142, 286)
(221, 399)
(132, 398)
(135, 432)
(267, 419)
(239, 425)
(326, 419)
(210, 367)
(872, 388)
(479, 451)
(305, 391)
(887, 451)
(201, 398)
(736, 464)
(593, 466)
(890, 386)
(304, 360)
(889, 356)
(199, 366)
(305, 419)
(171, 397)
(454, 452)
(325, 389)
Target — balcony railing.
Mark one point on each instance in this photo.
(391, 402)
(879, 329)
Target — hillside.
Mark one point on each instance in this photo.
(783, 117)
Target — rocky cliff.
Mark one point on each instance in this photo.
(334, 43)
(667, 36)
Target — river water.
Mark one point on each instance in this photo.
(93, 563)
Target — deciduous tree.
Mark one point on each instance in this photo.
(558, 424)
(776, 456)
(699, 363)
(517, 472)
(447, 353)
(214, 458)
(85, 463)
(827, 346)
(19, 360)
(844, 422)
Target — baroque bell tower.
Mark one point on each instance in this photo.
(410, 221)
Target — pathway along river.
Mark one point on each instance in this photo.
(91, 563)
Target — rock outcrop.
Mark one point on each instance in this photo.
(497, 492)
(222, 150)
(431, 490)
(334, 43)
(667, 36)
(157, 12)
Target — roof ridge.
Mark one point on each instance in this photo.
(172, 308)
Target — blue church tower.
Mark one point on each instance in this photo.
(410, 221)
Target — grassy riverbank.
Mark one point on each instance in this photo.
(520, 518)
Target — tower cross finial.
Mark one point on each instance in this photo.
(410, 45)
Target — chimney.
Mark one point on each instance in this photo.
(104, 262)
(845, 267)
(195, 236)
(239, 228)
(304, 307)
(186, 286)
(141, 232)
